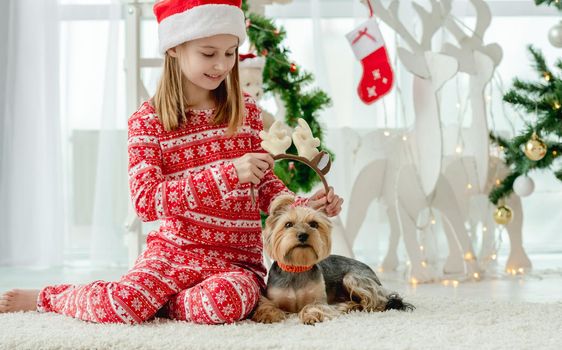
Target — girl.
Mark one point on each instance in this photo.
(194, 156)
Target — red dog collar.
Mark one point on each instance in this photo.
(293, 268)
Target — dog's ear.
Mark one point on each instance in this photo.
(280, 203)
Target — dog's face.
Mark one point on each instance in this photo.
(296, 235)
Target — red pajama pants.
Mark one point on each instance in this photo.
(184, 285)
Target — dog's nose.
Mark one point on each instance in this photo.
(302, 237)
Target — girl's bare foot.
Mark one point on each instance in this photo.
(19, 300)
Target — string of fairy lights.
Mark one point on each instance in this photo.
(431, 222)
(503, 214)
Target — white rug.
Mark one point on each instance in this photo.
(437, 323)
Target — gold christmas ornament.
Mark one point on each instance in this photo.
(503, 215)
(535, 148)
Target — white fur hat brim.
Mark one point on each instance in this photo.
(201, 22)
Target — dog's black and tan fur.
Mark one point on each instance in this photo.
(301, 236)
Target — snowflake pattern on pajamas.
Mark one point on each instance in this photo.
(204, 263)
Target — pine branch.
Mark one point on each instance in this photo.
(558, 174)
(555, 3)
(504, 189)
(539, 62)
(498, 140)
(535, 89)
(558, 63)
(520, 101)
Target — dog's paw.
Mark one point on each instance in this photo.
(311, 318)
(268, 315)
(312, 314)
(348, 306)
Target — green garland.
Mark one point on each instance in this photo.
(543, 98)
(285, 79)
(555, 3)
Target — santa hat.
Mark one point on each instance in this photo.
(183, 20)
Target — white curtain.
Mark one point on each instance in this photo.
(95, 123)
(63, 165)
(31, 177)
(111, 185)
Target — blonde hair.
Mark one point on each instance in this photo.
(170, 100)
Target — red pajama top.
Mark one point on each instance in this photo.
(186, 179)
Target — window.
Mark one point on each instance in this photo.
(316, 37)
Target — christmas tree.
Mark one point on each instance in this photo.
(287, 80)
(539, 143)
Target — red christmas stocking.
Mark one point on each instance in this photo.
(368, 46)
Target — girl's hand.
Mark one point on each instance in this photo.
(330, 203)
(251, 167)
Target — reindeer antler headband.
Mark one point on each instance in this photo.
(277, 140)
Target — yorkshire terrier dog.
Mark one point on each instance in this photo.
(305, 279)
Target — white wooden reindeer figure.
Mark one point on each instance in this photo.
(477, 208)
(479, 61)
(431, 70)
(414, 181)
